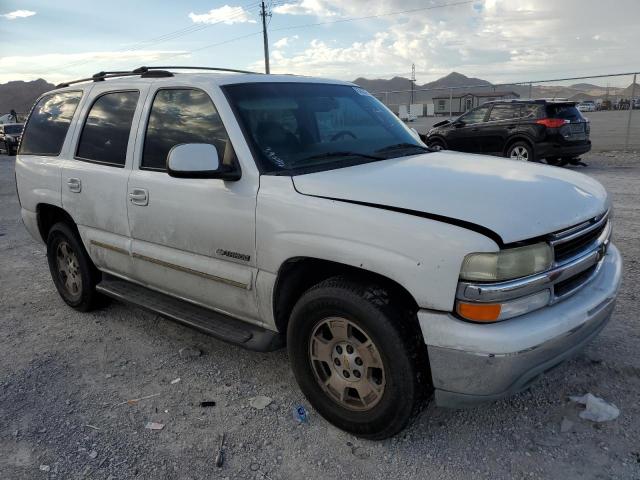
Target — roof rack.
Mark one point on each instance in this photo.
(146, 72)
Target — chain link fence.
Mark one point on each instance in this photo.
(611, 102)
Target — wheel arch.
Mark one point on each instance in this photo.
(439, 138)
(296, 275)
(48, 215)
(518, 138)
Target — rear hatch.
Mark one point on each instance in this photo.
(576, 127)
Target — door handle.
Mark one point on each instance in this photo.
(139, 196)
(74, 184)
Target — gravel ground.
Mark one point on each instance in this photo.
(65, 378)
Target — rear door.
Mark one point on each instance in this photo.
(576, 128)
(94, 178)
(501, 124)
(464, 131)
(193, 238)
(46, 141)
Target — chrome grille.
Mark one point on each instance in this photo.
(576, 241)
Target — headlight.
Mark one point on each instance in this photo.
(507, 264)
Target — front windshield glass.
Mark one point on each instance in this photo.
(296, 127)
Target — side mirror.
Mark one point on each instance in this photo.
(458, 123)
(198, 160)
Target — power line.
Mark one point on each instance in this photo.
(166, 37)
(388, 14)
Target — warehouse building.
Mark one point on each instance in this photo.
(464, 101)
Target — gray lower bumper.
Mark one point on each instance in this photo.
(473, 363)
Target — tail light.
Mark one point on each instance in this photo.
(551, 122)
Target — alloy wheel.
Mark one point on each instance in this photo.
(347, 364)
(69, 270)
(519, 153)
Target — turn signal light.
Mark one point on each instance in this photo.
(551, 122)
(480, 312)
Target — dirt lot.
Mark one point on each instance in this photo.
(65, 375)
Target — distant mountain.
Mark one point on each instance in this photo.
(20, 96)
(402, 85)
(455, 79)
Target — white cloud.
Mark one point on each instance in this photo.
(501, 40)
(319, 8)
(60, 67)
(225, 14)
(285, 41)
(18, 14)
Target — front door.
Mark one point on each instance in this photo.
(94, 178)
(192, 238)
(464, 130)
(502, 122)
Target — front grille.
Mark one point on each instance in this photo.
(565, 250)
(566, 286)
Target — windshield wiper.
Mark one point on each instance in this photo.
(401, 146)
(343, 154)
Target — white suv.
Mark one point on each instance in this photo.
(273, 209)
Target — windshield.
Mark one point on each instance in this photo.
(297, 127)
(13, 129)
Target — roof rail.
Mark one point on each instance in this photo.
(216, 69)
(146, 72)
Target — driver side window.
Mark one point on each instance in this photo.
(475, 116)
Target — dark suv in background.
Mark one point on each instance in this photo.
(10, 134)
(529, 130)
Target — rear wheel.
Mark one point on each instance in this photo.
(521, 151)
(73, 272)
(358, 358)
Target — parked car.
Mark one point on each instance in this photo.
(10, 134)
(587, 106)
(529, 130)
(272, 209)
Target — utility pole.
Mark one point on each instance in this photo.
(413, 81)
(265, 38)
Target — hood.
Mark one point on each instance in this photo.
(441, 124)
(515, 200)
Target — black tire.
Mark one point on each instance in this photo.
(436, 144)
(521, 146)
(395, 334)
(82, 272)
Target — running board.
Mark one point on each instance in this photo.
(207, 321)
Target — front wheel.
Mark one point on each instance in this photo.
(358, 357)
(73, 272)
(436, 145)
(521, 151)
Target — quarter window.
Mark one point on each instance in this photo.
(106, 131)
(181, 116)
(48, 124)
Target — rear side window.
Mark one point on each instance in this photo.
(566, 112)
(183, 116)
(529, 111)
(504, 112)
(48, 124)
(105, 134)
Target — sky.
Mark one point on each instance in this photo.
(497, 40)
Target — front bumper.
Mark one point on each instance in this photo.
(473, 363)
